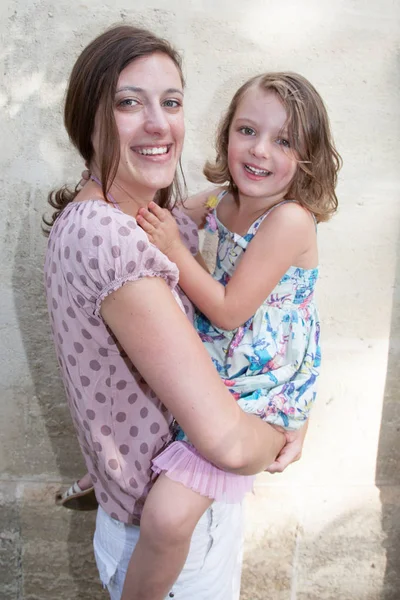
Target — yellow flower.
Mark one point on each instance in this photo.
(212, 202)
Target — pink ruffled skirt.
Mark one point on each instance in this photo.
(182, 463)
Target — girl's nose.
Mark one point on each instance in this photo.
(261, 148)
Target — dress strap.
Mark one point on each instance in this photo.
(267, 212)
(109, 196)
(214, 199)
(263, 216)
(221, 194)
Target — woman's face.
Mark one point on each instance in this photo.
(148, 110)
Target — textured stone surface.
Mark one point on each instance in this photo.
(340, 553)
(271, 524)
(11, 543)
(58, 553)
(322, 530)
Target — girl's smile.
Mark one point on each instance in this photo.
(259, 156)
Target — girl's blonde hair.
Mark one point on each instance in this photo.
(309, 135)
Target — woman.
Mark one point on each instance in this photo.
(129, 357)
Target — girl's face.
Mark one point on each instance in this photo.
(259, 156)
(148, 110)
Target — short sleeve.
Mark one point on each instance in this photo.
(106, 249)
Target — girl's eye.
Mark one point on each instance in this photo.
(283, 142)
(172, 103)
(247, 131)
(128, 102)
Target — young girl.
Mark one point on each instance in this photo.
(256, 314)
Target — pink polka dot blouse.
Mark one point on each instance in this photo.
(93, 249)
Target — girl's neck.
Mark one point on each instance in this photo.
(238, 216)
(248, 205)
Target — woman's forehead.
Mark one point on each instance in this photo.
(155, 71)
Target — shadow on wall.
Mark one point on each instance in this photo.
(58, 442)
(388, 459)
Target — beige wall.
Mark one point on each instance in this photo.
(328, 527)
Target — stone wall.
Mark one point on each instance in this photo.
(328, 527)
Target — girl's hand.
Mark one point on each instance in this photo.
(160, 227)
(85, 176)
(291, 452)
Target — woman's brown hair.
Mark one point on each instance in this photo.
(91, 89)
(309, 135)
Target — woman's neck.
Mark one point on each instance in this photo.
(124, 198)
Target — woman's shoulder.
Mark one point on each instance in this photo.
(98, 233)
(104, 248)
(97, 222)
(188, 229)
(97, 211)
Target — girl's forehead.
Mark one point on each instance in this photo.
(261, 103)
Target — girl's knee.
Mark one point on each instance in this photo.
(162, 525)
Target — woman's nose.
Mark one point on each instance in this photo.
(156, 121)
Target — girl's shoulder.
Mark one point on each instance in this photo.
(287, 214)
(198, 205)
(214, 197)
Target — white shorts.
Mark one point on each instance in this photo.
(213, 567)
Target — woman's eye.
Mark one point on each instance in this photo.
(283, 142)
(247, 131)
(128, 102)
(172, 103)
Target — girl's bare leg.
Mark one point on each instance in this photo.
(170, 515)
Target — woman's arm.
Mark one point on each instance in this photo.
(280, 241)
(165, 348)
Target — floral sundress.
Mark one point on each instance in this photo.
(271, 363)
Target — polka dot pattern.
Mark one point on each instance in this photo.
(154, 428)
(133, 483)
(132, 398)
(97, 240)
(120, 422)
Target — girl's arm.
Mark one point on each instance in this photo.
(165, 348)
(200, 260)
(197, 206)
(279, 243)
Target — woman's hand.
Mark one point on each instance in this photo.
(160, 227)
(291, 451)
